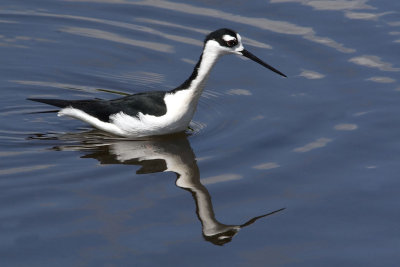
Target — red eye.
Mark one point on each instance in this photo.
(231, 43)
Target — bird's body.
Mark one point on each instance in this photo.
(157, 112)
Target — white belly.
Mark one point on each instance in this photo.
(180, 110)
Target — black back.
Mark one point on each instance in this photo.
(151, 103)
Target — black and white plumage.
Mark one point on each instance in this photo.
(157, 112)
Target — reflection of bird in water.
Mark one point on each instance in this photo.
(171, 153)
(157, 112)
(213, 230)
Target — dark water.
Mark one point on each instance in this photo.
(323, 144)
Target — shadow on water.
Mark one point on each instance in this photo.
(169, 153)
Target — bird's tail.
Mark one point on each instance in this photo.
(54, 102)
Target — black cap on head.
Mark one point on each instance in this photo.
(217, 35)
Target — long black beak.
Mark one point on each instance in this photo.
(249, 55)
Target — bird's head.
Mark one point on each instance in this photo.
(225, 41)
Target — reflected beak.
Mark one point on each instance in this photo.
(249, 55)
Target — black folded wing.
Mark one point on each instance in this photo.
(151, 103)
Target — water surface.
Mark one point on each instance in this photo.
(300, 171)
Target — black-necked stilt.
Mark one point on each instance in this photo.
(157, 112)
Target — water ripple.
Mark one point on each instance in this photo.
(245, 40)
(331, 4)
(25, 169)
(320, 142)
(104, 35)
(283, 27)
(373, 62)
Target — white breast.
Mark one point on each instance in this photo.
(180, 110)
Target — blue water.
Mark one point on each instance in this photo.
(319, 150)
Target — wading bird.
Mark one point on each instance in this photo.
(157, 112)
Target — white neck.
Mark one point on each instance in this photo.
(198, 79)
(182, 101)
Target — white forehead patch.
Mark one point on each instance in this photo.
(228, 37)
(239, 37)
